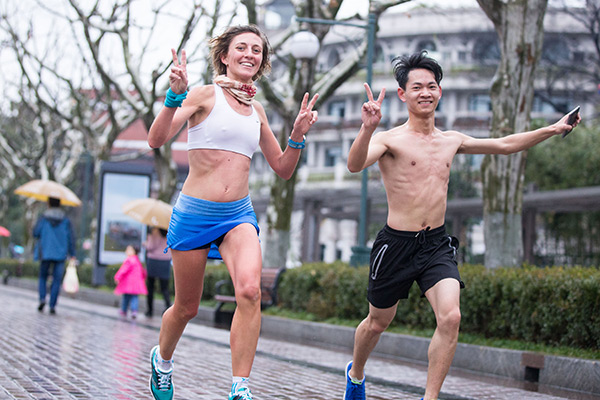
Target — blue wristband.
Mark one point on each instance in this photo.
(297, 145)
(173, 99)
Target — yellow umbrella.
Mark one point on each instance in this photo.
(150, 212)
(43, 189)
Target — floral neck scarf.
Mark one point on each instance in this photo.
(243, 92)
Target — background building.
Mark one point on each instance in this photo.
(465, 43)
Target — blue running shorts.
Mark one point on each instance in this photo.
(197, 223)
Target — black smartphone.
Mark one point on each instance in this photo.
(572, 118)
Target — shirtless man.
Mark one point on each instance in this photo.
(414, 160)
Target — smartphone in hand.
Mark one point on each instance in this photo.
(571, 119)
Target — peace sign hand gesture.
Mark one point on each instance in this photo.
(371, 110)
(306, 116)
(178, 79)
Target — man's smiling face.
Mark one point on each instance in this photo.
(422, 92)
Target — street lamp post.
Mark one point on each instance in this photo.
(360, 252)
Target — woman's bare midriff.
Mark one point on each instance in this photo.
(217, 175)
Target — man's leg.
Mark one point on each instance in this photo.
(57, 277)
(444, 298)
(367, 335)
(42, 283)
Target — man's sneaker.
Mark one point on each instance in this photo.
(242, 393)
(161, 385)
(354, 390)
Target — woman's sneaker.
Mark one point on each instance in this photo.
(242, 393)
(161, 384)
(354, 390)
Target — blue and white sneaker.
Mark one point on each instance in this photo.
(242, 393)
(161, 384)
(354, 390)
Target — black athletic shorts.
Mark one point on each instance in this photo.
(399, 258)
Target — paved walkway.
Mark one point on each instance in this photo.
(86, 351)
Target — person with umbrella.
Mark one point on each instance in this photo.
(55, 244)
(158, 265)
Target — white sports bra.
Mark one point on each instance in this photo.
(225, 129)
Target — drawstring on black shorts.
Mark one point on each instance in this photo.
(421, 235)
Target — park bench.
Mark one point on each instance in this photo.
(269, 281)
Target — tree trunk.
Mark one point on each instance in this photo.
(519, 25)
(279, 212)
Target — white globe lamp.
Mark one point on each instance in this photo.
(304, 44)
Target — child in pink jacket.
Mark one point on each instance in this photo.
(130, 279)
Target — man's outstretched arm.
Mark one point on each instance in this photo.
(515, 142)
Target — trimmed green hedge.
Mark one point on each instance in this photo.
(554, 306)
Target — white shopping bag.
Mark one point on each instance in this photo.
(71, 281)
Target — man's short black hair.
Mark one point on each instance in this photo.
(402, 65)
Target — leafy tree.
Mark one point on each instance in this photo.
(87, 75)
(562, 164)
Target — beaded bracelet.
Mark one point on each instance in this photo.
(297, 145)
(173, 99)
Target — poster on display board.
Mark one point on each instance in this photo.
(119, 184)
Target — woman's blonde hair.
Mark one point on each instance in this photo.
(219, 46)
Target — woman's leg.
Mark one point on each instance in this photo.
(150, 295)
(188, 272)
(242, 255)
(164, 289)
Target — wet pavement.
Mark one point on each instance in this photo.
(86, 351)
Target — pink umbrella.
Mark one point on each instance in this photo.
(4, 231)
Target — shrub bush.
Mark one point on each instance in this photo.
(555, 306)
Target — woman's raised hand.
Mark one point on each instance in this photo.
(178, 79)
(306, 116)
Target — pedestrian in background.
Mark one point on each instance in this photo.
(130, 279)
(55, 244)
(158, 265)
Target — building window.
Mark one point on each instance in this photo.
(338, 254)
(556, 52)
(379, 55)
(426, 44)
(480, 103)
(486, 51)
(332, 155)
(550, 106)
(578, 56)
(333, 59)
(337, 108)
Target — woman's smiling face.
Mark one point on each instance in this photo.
(244, 57)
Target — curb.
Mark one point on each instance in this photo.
(554, 371)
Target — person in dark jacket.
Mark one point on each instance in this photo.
(55, 244)
(158, 265)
